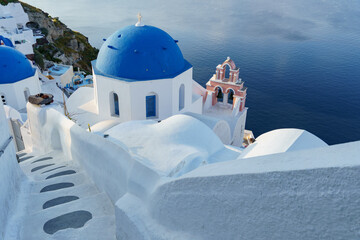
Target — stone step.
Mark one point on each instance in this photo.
(45, 185)
(36, 201)
(75, 216)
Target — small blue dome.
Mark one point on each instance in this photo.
(140, 53)
(14, 66)
(6, 41)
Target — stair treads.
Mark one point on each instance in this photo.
(59, 200)
(42, 159)
(21, 154)
(41, 167)
(67, 172)
(57, 186)
(25, 158)
(75, 219)
(52, 169)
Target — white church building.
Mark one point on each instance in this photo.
(18, 78)
(140, 73)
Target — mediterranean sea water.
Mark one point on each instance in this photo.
(299, 59)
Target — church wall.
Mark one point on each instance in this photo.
(238, 131)
(196, 106)
(10, 96)
(32, 84)
(104, 86)
(186, 79)
(140, 89)
(14, 92)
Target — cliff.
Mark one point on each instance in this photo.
(62, 45)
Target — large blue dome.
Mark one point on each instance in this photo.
(14, 66)
(140, 53)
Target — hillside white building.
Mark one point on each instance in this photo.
(18, 78)
(140, 73)
(13, 30)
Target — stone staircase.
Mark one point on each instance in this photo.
(63, 203)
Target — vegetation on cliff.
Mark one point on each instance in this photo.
(5, 2)
(62, 45)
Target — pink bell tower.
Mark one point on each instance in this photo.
(233, 85)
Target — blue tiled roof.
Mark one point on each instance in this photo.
(14, 66)
(6, 41)
(140, 53)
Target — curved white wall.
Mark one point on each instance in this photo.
(11, 175)
(298, 195)
(294, 195)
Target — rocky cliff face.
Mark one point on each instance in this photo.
(63, 45)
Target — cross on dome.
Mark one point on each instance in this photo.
(139, 24)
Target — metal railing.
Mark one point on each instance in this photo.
(5, 145)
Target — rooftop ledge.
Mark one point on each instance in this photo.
(187, 66)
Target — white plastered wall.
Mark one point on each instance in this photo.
(103, 86)
(67, 76)
(186, 79)
(14, 93)
(239, 130)
(11, 176)
(132, 95)
(270, 197)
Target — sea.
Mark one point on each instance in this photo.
(299, 59)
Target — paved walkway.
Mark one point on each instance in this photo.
(63, 203)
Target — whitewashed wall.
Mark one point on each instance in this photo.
(311, 194)
(11, 176)
(14, 93)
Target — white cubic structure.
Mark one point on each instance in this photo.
(13, 30)
(62, 73)
(18, 78)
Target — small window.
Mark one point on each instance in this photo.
(151, 106)
(181, 97)
(219, 94)
(231, 96)
(26, 94)
(114, 104)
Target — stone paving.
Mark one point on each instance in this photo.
(63, 203)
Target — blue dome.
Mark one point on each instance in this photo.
(6, 41)
(140, 53)
(14, 66)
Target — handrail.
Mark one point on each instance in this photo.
(5, 145)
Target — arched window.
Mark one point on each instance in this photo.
(219, 94)
(114, 105)
(181, 97)
(151, 105)
(227, 71)
(3, 98)
(230, 99)
(26, 94)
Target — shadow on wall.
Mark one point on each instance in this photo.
(55, 140)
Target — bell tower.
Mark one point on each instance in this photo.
(227, 89)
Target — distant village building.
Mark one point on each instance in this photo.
(18, 78)
(13, 30)
(140, 73)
